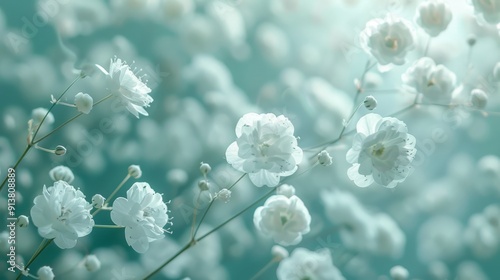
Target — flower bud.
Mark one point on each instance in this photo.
(324, 158)
(224, 195)
(286, 190)
(39, 113)
(203, 185)
(370, 102)
(60, 150)
(45, 273)
(205, 168)
(98, 201)
(92, 263)
(83, 102)
(135, 171)
(279, 253)
(399, 273)
(63, 173)
(22, 221)
(478, 98)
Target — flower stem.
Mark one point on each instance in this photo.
(187, 246)
(108, 226)
(28, 147)
(39, 250)
(264, 269)
(112, 194)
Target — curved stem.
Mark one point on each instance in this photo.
(28, 147)
(187, 246)
(264, 269)
(41, 247)
(112, 194)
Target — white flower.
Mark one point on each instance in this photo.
(324, 158)
(305, 264)
(279, 253)
(286, 190)
(381, 153)
(130, 89)
(388, 39)
(39, 113)
(478, 98)
(45, 273)
(285, 219)
(399, 273)
(22, 221)
(135, 171)
(436, 83)
(98, 201)
(62, 172)
(143, 214)
(370, 102)
(224, 195)
(487, 11)
(92, 263)
(62, 213)
(265, 148)
(84, 102)
(390, 240)
(433, 16)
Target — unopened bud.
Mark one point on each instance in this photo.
(203, 185)
(135, 171)
(224, 195)
(324, 158)
(370, 102)
(60, 150)
(279, 253)
(98, 201)
(205, 168)
(92, 263)
(22, 221)
(478, 98)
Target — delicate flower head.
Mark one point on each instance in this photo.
(370, 102)
(98, 201)
(305, 264)
(45, 273)
(22, 221)
(62, 213)
(433, 16)
(381, 153)
(135, 171)
(84, 102)
(478, 98)
(435, 82)
(62, 172)
(132, 92)
(92, 263)
(143, 214)
(224, 195)
(283, 218)
(487, 11)
(266, 148)
(388, 39)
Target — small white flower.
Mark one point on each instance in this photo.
(62, 213)
(143, 214)
(433, 16)
(478, 98)
(224, 195)
(305, 264)
(84, 102)
(381, 153)
(487, 11)
(388, 40)
(38, 114)
(399, 273)
(370, 102)
(135, 171)
(45, 273)
(63, 173)
(324, 158)
(435, 82)
(285, 219)
(92, 263)
(132, 92)
(286, 190)
(266, 148)
(205, 168)
(279, 253)
(390, 240)
(22, 221)
(98, 201)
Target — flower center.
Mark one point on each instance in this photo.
(64, 214)
(391, 43)
(378, 150)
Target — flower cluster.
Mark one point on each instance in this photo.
(266, 148)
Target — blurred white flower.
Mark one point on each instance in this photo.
(390, 240)
(435, 82)
(487, 11)
(305, 264)
(399, 273)
(433, 16)
(285, 219)
(84, 102)
(266, 148)
(388, 40)
(143, 214)
(61, 172)
(62, 213)
(381, 153)
(45, 273)
(92, 263)
(132, 92)
(440, 239)
(98, 201)
(22, 221)
(478, 98)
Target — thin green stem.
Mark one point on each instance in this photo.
(187, 246)
(28, 147)
(108, 226)
(211, 203)
(38, 251)
(195, 211)
(112, 194)
(264, 269)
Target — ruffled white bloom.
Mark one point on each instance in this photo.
(84, 102)
(143, 214)
(45, 273)
(62, 213)
(285, 219)
(62, 172)
(433, 16)
(388, 40)
(265, 149)
(305, 264)
(487, 11)
(132, 92)
(435, 82)
(381, 153)
(22, 221)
